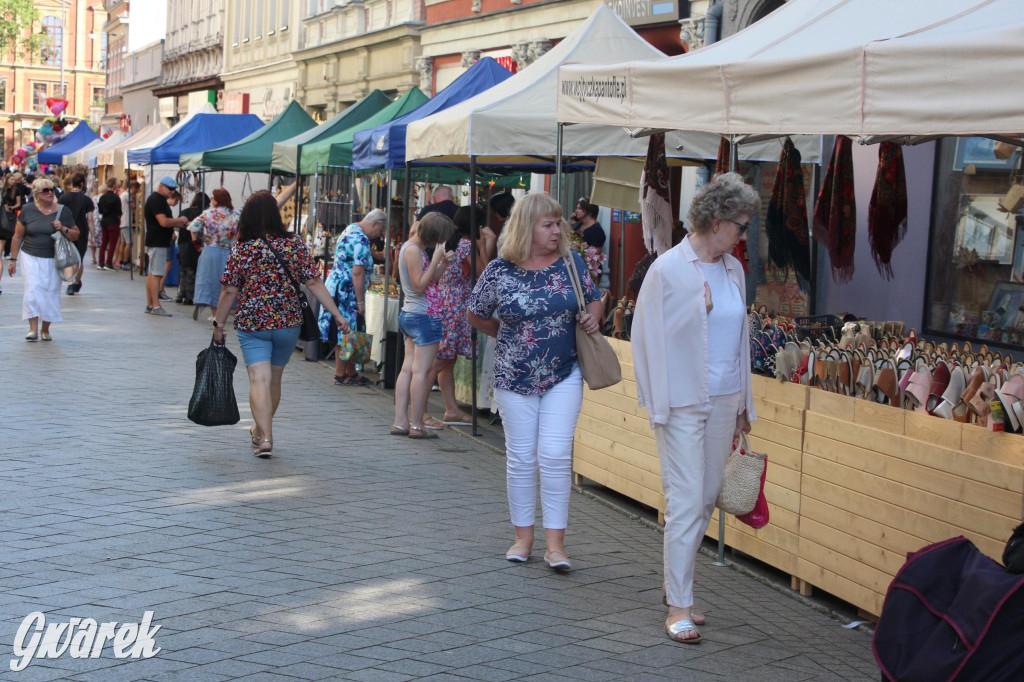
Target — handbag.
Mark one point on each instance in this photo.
(65, 254)
(310, 328)
(743, 480)
(213, 400)
(758, 516)
(598, 362)
(355, 346)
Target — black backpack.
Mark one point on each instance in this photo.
(1013, 555)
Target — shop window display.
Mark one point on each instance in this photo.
(976, 263)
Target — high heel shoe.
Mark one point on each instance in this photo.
(265, 449)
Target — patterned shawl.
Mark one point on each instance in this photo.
(835, 216)
(786, 221)
(887, 212)
(655, 200)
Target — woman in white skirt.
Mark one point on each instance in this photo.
(33, 249)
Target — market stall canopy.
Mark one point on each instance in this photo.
(72, 142)
(252, 153)
(384, 146)
(118, 154)
(196, 132)
(336, 150)
(287, 155)
(115, 138)
(73, 158)
(851, 67)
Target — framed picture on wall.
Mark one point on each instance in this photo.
(1017, 273)
(1007, 303)
(980, 151)
(986, 229)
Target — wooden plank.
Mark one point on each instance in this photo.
(859, 526)
(960, 514)
(879, 416)
(911, 522)
(604, 429)
(620, 485)
(995, 468)
(618, 402)
(925, 427)
(786, 392)
(759, 385)
(771, 553)
(778, 455)
(780, 413)
(788, 479)
(621, 469)
(916, 476)
(978, 440)
(778, 433)
(840, 564)
(783, 497)
(782, 519)
(832, 404)
(620, 451)
(629, 422)
(858, 550)
(859, 596)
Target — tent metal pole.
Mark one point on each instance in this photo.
(314, 198)
(558, 163)
(474, 235)
(298, 203)
(387, 259)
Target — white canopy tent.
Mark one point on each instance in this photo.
(117, 155)
(513, 123)
(87, 155)
(852, 67)
(73, 158)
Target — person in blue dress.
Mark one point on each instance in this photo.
(537, 381)
(348, 282)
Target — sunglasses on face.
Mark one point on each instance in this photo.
(743, 226)
(44, 190)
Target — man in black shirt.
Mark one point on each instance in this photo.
(110, 223)
(443, 203)
(160, 226)
(81, 206)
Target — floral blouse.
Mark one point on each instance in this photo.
(353, 249)
(219, 226)
(266, 297)
(536, 343)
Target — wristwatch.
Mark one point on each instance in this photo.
(217, 324)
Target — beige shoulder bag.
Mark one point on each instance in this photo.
(598, 362)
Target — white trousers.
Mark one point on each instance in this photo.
(538, 439)
(693, 447)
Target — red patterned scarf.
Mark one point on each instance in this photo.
(786, 221)
(887, 212)
(655, 200)
(835, 216)
(722, 166)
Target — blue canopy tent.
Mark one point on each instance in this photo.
(384, 146)
(71, 143)
(198, 133)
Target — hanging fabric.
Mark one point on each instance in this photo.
(655, 200)
(887, 212)
(835, 216)
(722, 166)
(786, 220)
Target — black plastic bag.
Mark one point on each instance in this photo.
(213, 398)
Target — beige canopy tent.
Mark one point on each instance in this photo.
(117, 155)
(852, 67)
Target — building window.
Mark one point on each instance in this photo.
(3, 100)
(103, 51)
(976, 265)
(97, 96)
(259, 19)
(247, 21)
(285, 9)
(51, 52)
(271, 17)
(238, 22)
(40, 91)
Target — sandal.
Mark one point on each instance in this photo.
(680, 627)
(419, 433)
(262, 451)
(356, 380)
(461, 419)
(255, 436)
(434, 424)
(398, 431)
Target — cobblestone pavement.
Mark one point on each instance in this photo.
(350, 555)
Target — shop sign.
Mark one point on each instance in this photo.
(167, 107)
(644, 12)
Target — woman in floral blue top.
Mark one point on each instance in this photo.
(269, 316)
(537, 382)
(348, 282)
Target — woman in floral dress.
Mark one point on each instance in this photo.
(456, 336)
(348, 283)
(537, 381)
(219, 228)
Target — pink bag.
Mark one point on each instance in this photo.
(758, 516)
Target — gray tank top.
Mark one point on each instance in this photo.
(414, 303)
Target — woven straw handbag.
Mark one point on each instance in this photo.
(742, 481)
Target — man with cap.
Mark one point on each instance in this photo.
(160, 226)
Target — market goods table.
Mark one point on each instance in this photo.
(350, 555)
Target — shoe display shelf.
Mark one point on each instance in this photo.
(852, 486)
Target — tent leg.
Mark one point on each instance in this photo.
(558, 163)
(474, 235)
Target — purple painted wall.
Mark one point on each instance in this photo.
(868, 294)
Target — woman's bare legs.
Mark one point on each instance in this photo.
(403, 385)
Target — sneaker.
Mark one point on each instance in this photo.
(78, 287)
(149, 309)
(159, 311)
(164, 297)
(100, 267)
(71, 290)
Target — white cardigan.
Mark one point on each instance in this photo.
(670, 335)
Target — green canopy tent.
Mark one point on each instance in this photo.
(287, 155)
(253, 153)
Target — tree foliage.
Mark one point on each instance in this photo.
(19, 33)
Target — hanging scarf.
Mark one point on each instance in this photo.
(786, 220)
(722, 166)
(887, 212)
(655, 200)
(835, 216)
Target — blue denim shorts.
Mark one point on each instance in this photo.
(423, 329)
(275, 345)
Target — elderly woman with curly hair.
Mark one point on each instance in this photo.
(692, 361)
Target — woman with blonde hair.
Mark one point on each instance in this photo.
(537, 382)
(33, 242)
